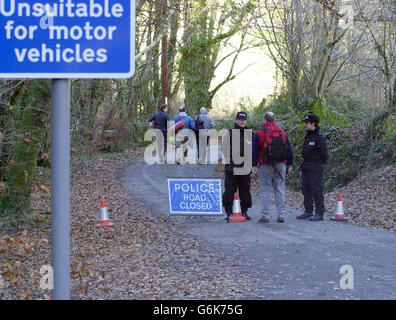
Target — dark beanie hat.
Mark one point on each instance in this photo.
(313, 118)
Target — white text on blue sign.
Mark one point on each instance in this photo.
(195, 196)
(67, 38)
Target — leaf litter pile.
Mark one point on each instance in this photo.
(142, 257)
(369, 201)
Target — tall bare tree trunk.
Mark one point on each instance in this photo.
(28, 123)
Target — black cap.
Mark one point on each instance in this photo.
(241, 115)
(313, 118)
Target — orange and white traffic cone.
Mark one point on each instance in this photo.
(236, 210)
(339, 214)
(104, 216)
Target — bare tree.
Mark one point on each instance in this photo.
(208, 26)
(308, 44)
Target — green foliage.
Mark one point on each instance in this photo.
(390, 126)
(198, 69)
(332, 117)
(382, 124)
(224, 123)
(350, 152)
(27, 125)
(202, 43)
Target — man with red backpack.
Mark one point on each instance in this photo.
(273, 152)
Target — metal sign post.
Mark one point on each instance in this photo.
(60, 187)
(59, 40)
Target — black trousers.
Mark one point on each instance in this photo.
(312, 189)
(232, 185)
(165, 140)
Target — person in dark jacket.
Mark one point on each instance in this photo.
(315, 157)
(159, 121)
(236, 182)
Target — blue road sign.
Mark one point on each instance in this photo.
(67, 38)
(195, 197)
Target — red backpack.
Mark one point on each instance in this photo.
(178, 126)
(273, 145)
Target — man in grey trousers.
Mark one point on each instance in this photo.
(273, 152)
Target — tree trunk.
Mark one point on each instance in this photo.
(320, 74)
(28, 123)
(172, 45)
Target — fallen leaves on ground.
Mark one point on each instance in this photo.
(369, 200)
(143, 257)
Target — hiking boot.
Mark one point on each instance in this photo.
(263, 220)
(305, 215)
(316, 217)
(280, 219)
(244, 214)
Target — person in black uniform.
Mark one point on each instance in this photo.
(159, 121)
(233, 182)
(314, 159)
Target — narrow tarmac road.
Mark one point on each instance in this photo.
(293, 260)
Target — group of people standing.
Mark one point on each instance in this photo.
(272, 159)
(201, 124)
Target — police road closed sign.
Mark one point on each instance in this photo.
(195, 197)
(67, 38)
